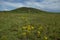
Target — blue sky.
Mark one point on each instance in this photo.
(47, 5)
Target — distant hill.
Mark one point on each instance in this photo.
(27, 10)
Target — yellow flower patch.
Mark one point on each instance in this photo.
(45, 37)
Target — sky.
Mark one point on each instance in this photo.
(46, 5)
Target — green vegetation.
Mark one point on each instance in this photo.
(29, 24)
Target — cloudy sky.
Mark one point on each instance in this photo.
(47, 5)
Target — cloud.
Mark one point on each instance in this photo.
(41, 4)
(9, 5)
(13, 4)
(52, 5)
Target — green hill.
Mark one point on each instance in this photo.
(29, 24)
(25, 9)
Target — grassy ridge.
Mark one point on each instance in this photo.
(29, 26)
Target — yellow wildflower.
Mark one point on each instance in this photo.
(32, 27)
(45, 37)
(28, 27)
(38, 32)
(40, 27)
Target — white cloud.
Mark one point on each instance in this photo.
(13, 4)
(45, 4)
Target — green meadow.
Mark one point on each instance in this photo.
(29, 24)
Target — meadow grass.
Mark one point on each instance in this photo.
(29, 26)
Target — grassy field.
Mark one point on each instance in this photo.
(29, 26)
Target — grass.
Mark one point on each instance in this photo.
(29, 26)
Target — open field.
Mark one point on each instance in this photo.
(28, 26)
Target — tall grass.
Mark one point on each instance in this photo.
(28, 26)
